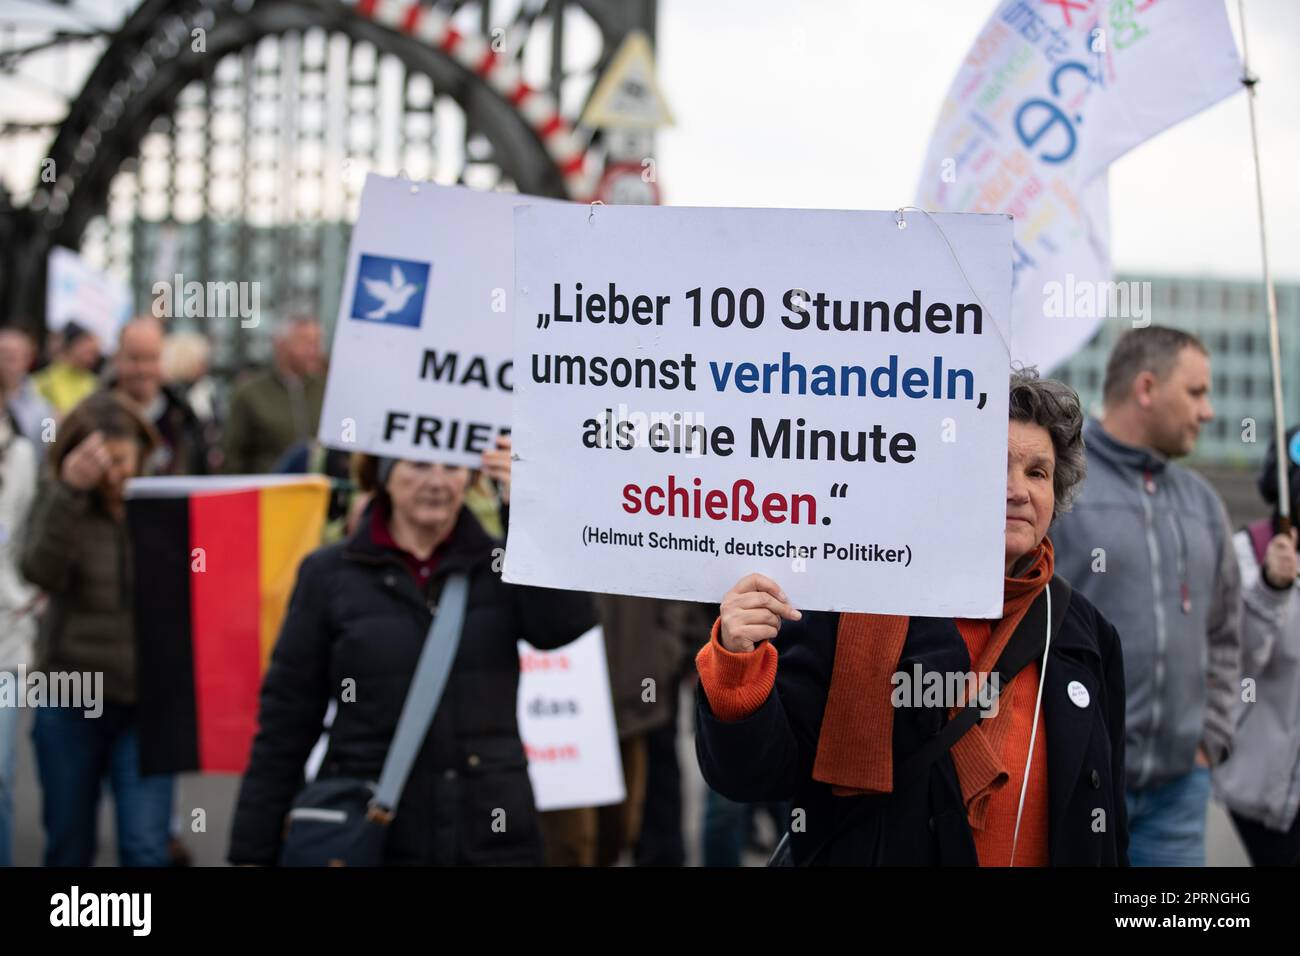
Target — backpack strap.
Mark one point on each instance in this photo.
(1261, 533)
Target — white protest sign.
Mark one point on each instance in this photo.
(420, 366)
(75, 291)
(566, 721)
(820, 396)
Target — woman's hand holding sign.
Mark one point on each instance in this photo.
(752, 612)
(496, 465)
(1280, 560)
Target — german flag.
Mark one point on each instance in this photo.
(215, 563)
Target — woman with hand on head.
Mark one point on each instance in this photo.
(801, 705)
(77, 551)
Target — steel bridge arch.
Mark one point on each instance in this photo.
(150, 60)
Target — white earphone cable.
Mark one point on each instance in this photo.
(1033, 734)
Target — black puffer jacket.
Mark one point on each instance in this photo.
(357, 613)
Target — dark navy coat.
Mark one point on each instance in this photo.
(769, 755)
(358, 614)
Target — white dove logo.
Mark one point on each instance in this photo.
(392, 295)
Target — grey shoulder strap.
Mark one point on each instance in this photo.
(422, 699)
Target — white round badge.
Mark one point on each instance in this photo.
(1078, 694)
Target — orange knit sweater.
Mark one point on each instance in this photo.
(993, 840)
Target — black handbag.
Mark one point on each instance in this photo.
(1027, 644)
(343, 821)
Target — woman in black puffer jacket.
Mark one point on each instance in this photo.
(353, 634)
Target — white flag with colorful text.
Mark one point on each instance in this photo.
(1050, 94)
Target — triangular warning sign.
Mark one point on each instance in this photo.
(627, 96)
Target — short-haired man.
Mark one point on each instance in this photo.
(1149, 543)
(279, 408)
(137, 374)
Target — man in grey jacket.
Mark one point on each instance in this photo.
(1148, 542)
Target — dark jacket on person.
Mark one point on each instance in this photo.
(268, 415)
(769, 755)
(643, 642)
(358, 615)
(184, 447)
(75, 551)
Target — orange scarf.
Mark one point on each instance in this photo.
(855, 749)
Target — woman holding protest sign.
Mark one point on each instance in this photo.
(368, 618)
(1260, 781)
(880, 776)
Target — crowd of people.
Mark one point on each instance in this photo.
(77, 425)
(1148, 654)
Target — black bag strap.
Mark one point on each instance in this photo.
(1025, 646)
(421, 703)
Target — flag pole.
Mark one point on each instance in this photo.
(1270, 295)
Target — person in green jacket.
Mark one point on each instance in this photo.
(279, 407)
(76, 550)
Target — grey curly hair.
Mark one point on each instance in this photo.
(1055, 406)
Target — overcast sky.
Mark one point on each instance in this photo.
(830, 103)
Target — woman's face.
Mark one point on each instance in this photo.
(427, 494)
(1031, 495)
(124, 455)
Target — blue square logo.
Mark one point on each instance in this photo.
(390, 291)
